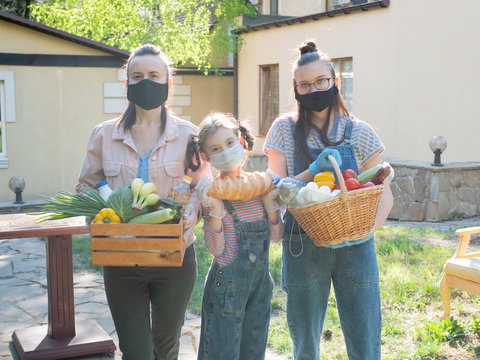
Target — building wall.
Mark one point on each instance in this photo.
(56, 109)
(414, 72)
(209, 93)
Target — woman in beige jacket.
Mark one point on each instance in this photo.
(148, 142)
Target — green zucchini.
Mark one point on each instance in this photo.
(368, 174)
(155, 217)
(169, 204)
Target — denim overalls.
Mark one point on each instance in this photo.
(308, 271)
(236, 298)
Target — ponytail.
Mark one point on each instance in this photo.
(193, 151)
(246, 133)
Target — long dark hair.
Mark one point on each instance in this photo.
(211, 123)
(127, 119)
(308, 54)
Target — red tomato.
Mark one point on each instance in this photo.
(336, 187)
(352, 184)
(368, 184)
(349, 174)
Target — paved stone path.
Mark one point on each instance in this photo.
(23, 299)
(23, 294)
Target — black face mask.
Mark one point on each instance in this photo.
(317, 100)
(147, 94)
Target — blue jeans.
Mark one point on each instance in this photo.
(307, 276)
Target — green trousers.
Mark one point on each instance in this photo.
(148, 307)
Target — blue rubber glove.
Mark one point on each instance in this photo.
(322, 163)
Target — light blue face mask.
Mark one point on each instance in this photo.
(229, 158)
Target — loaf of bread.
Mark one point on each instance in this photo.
(242, 187)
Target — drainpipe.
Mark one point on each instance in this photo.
(235, 85)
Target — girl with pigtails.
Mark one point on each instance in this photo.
(238, 289)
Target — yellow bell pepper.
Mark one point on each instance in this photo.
(107, 216)
(325, 178)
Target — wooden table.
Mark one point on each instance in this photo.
(59, 339)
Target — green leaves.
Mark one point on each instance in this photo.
(183, 29)
(65, 204)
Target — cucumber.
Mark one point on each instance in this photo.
(368, 174)
(169, 204)
(155, 217)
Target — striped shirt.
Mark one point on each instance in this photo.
(223, 245)
(366, 143)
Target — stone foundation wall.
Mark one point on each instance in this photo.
(435, 193)
(423, 192)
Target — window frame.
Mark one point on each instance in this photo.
(340, 71)
(7, 110)
(327, 3)
(261, 122)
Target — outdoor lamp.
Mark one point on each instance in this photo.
(17, 184)
(438, 144)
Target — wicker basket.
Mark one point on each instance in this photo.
(349, 216)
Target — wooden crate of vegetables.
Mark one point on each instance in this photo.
(133, 227)
(137, 244)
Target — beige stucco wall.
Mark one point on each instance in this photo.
(209, 93)
(57, 108)
(414, 72)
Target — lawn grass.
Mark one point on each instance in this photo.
(410, 264)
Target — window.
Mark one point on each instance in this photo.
(273, 7)
(337, 4)
(7, 111)
(269, 95)
(344, 71)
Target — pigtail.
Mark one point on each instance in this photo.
(246, 133)
(193, 151)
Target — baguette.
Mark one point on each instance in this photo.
(245, 186)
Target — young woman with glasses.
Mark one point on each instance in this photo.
(297, 145)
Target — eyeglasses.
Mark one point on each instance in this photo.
(320, 84)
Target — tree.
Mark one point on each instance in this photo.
(17, 7)
(188, 31)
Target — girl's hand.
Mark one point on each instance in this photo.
(322, 163)
(269, 200)
(215, 206)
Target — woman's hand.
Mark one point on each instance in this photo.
(386, 202)
(322, 163)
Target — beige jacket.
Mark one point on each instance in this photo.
(112, 155)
